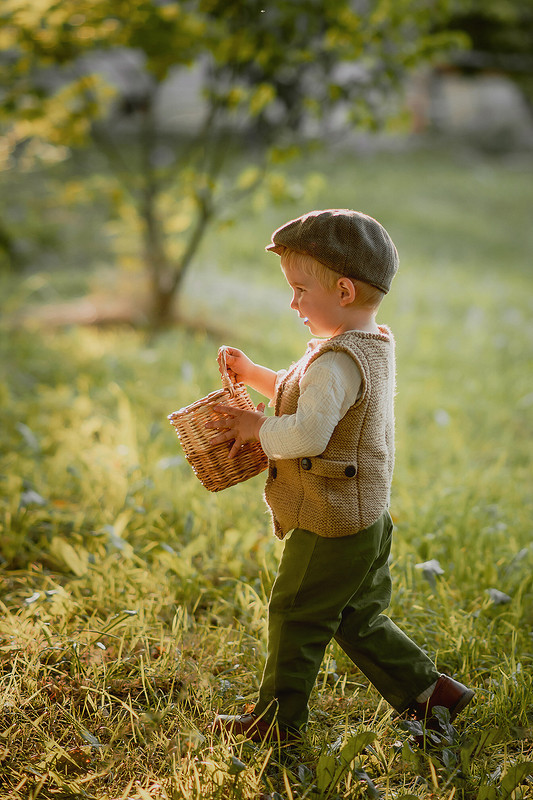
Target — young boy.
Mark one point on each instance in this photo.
(331, 452)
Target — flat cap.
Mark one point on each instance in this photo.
(348, 242)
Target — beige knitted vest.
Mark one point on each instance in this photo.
(347, 487)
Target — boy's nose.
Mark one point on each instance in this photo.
(294, 304)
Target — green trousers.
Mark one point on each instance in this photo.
(336, 588)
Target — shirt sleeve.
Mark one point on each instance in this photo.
(331, 385)
(280, 375)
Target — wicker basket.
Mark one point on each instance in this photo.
(210, 462)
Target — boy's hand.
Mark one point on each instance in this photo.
(237, 426)
(239, 366)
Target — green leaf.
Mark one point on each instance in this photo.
(326, 771)
(514, 776)
(356, 745)
(487, 793)
(486, 739)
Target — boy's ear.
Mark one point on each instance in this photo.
(347, 291)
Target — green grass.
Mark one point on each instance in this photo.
(134, 602)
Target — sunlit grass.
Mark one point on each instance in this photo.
(134, 602)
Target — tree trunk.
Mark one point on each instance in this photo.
(166, 278)
(160, 273)
(162, 308)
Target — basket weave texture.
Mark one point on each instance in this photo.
(210, 462)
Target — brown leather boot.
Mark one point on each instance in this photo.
(253, 727)
(447, 693)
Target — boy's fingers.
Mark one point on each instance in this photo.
(220, 438)
(229, 410)
(214, 423)
(228, 436)
(217, 423)
(235, 448)
(229, 352)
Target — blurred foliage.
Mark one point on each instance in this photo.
(501, 38)
(497, 28)
(270, 75)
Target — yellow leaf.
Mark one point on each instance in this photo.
(263, 95)
(248, 177)
(75, 560)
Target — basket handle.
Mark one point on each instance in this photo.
(227, 382)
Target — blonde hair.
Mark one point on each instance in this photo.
(367, 296)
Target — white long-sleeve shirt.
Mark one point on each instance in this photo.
(331, 385)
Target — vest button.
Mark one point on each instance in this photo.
(306, 463)
(350, 471)
(274, 472)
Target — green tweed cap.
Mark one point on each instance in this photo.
(348, 242)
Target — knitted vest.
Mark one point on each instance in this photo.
(347, 487)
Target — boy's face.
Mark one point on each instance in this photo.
(319, 307)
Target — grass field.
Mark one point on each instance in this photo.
(134, 602)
